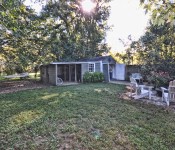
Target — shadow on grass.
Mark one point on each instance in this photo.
(87, 116)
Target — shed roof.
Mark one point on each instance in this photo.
(104, 59)
(67, 63)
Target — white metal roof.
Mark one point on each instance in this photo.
(64, 63)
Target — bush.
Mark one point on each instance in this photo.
(159, 78)
(158, 75)
(92, 77)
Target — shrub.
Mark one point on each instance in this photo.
(92, 77)
(87, 77)
(159, 78)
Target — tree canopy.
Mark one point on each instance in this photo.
(162, 11)
(62, 31)
(158, 43)
(155, 51)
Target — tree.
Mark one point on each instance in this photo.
(162, 11)
(127, 57)
(19, 27)
(156, 51)
(77, 33)
(61, 32)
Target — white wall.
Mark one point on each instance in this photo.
(119, 72)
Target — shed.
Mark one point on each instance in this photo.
(74, 71)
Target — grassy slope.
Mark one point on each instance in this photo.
(87, 116)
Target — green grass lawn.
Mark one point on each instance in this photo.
(83, 117)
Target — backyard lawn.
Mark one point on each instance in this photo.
(83, 117)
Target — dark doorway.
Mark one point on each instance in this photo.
(69, 72)
(111, 69)
(72, 73)
(78, 72)
(63, 72)
(105, 71)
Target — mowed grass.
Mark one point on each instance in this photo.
(83, 117)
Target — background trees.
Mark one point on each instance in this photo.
(156, 48)
(18, 45)
(156, 51)
(78, 34)
(162, 11)
(61, 32)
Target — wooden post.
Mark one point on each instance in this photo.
(108, 74)
(101, 66)
(75, 73)
(69, 73)
(64, 72)
(56, 73)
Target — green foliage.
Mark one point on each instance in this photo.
(159, 79)
(129, 55)
(98, 77)
(156, 52)
(162, 11)
(61, 32)
(77, 34)
(93, 77)
(20, 45)
(87, 77)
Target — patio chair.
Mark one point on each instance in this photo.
(140, 91)
(168, 94)
(137, 76)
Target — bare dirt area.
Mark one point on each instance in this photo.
(155, 100)
(14, 86)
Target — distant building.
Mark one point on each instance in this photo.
(73, 71)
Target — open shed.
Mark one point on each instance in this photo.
(74, 71)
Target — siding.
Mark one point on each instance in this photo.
(120, 71)
(106, 73)
(52, 75)
(44, 74)
(84, 68)
(97, 67)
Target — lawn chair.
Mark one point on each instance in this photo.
(140, 91)
(168, 94)
(137, 76)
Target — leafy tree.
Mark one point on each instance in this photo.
(61, 32)
(74, 33)
(156, 50)
(162, 11)
(18, 44)
(126, 57)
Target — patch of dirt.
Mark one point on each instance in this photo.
(126, 95)
(14, 86)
